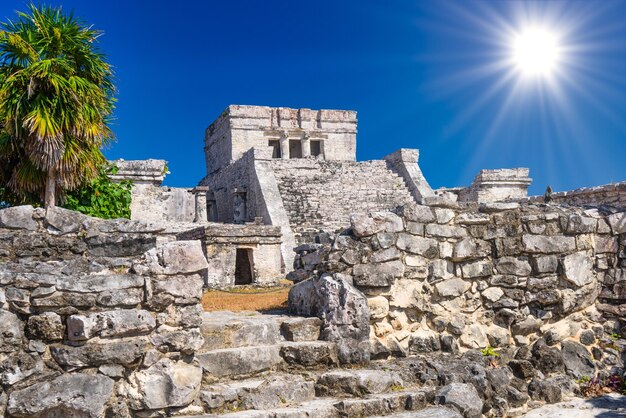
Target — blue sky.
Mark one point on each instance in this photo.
(421, 74)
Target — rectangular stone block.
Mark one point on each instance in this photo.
(548, 244)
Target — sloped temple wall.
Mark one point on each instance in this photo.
(458, 276)
(96, 319)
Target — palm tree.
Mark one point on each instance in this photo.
(56, 98)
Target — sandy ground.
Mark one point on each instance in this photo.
(246, 299)
(607, 406)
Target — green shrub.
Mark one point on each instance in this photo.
(102, 198)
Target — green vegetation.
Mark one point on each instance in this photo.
(102, 198)
(490, 352)
(56, 98)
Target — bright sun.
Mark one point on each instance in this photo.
(536, 52)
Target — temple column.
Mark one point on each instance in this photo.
(306, 145)
(201, 209)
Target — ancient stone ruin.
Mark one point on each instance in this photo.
(407, 301)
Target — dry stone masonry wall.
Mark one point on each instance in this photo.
(455, 277)
(95, 317)
(609, 194)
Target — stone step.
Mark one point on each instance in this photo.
(248, 361)
(430, 412)
(224, 329)
(239, 361)
(386, 404)
(358, 382)
(274, 391)
(381, 404)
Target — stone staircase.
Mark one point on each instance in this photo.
(259, 365)
(323, 194)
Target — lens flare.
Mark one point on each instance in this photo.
(536, 52)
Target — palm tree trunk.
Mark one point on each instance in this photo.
(50, 198)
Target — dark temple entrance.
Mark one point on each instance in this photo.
(244, 267)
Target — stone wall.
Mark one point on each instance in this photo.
(151, 202)
(613, 194)
(454, 277)
(96, 318)
(240, 128)
(162, 204)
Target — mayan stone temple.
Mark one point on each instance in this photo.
(404, 301)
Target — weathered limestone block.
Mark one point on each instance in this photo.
(583, 297)
(440, 270)
(127, 351)
(445, 231)
(69, 395)
(119, 244)
(181, 290)
(309, 353)
(47, 326)
(173, 258)
(463, 397)
(63, 221)
(426, 247)
(18, 217)
(480, 268)
(11, 330)
(548, 244)
(301, 329)
(418, 213)
(452, 287)
(577, 224)
(617, 221)
(606, 244)
(17, 367)
(416, 260)
(366, 225)
(379, 307)
(527, 326)
(577, 360)
(474, 336)
(121, 297)
(64, 300)
(388, 254)
(98, 283)
(407, 293)
(240, 361)
(469, 248)
(471, 218)
(424, 341)
(444, 216)
(189, 316)
(165, 384)
(343, 310)
(168, 338)
(513, 265)
(498, 336)
(356, 382)
(433, 412)
(578, 269)
(118, 323)
(545, 264)
(492, 294)
(377, 275)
